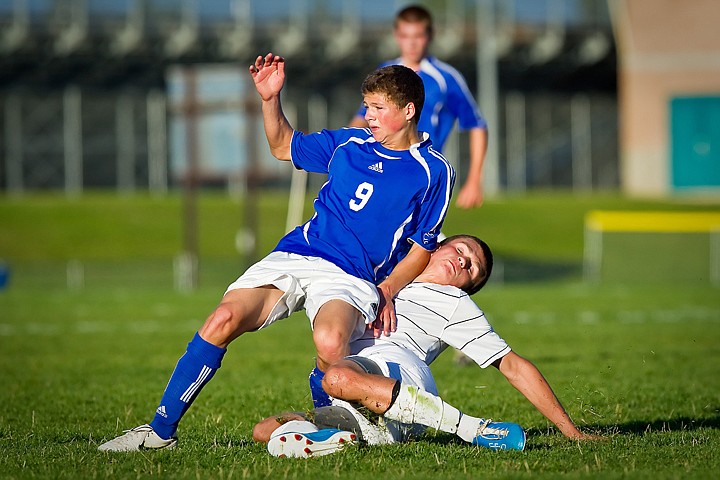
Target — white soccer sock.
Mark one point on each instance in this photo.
(413, 405)
(469, 427)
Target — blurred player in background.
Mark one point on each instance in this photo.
(376, 221)
(390, 376)
(447, 98)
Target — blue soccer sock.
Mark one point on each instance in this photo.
(194, 369)
(319, 397)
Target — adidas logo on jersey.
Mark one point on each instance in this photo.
(377, 167)
(161, 411)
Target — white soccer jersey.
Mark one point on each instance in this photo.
(431, 317)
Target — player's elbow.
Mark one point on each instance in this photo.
(281, 153)
(262, 430)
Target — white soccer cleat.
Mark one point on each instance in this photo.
(372, 434)
(139, 438)
(307, 441)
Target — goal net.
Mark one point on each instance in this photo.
(638, 246)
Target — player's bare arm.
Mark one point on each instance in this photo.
(404, 272)
(527, 379)
(264, 428)
(471, 193)
(268, 74)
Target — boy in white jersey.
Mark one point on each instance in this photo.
(390, 375)
(447, 97)
(376, 221)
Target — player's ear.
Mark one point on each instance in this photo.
(409, 111)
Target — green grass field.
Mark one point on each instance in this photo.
(637, 363)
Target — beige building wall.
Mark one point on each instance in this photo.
(666, 48)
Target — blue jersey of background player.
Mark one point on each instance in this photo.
(447, 98)
(361, 224)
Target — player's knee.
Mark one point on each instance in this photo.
(222, 326)
(336, 379)
(331, 346)
(329, 352)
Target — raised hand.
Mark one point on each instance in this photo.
(268, 73)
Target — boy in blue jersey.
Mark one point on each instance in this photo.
(376, 221)
(447, 97)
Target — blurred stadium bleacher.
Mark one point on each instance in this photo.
(84, 83)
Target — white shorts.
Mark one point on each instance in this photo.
(400, 364)
(309, 282)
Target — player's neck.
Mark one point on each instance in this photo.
(403, 139)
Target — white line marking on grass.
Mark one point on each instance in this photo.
(163, 310)
(547, 318)
(522, 317)
(145, 326)
(82, 326)
(668, 316)
(632, 316)
(7, 330)
(89, 327)
(42, 329)
(589, 317)
(93, 327)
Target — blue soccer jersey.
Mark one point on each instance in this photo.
(447, 98)
(375, 202)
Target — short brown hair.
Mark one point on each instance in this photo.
(415, 14)
(400, 84)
